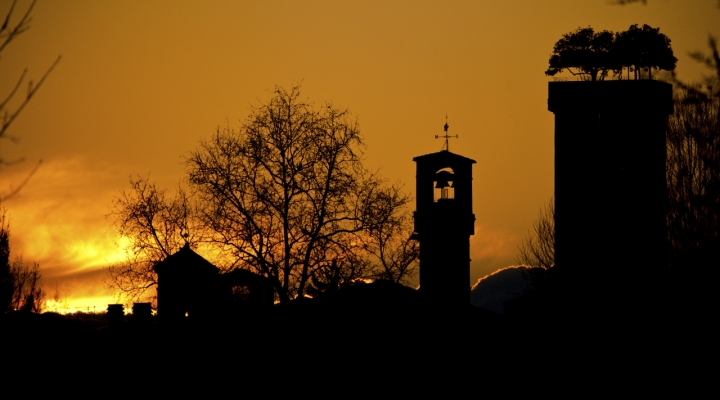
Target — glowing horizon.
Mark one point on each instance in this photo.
(133, 102)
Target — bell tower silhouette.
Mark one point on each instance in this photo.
(444, 221)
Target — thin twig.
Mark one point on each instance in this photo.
(15, 191)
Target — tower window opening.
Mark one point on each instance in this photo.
(443, 185)
(444, 192)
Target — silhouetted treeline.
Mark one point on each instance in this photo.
(20, 284)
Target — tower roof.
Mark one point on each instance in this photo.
(444, 156)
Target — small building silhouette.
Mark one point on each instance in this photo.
(115, 315)
(191, 287)
(444, 221)
(242, 290)
(141, 314)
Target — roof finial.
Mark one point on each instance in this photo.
(446, 136)
(185, 236)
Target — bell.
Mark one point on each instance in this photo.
(442, 184)
(444, 179)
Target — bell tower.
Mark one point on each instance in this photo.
(444, 221)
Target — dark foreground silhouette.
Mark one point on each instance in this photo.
(378, 330)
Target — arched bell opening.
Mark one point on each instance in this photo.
(443, 185)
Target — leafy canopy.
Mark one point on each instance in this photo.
(593, 55)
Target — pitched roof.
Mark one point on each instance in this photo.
(444, 155)
(185, 260)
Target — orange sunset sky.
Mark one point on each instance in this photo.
(141, 82)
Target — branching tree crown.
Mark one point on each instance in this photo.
(285, 196)
(154, 226)
(288, 195)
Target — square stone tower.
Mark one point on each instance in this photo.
(610, 184)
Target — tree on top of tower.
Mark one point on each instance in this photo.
(583, 53)
(591, 55)
(643, 48)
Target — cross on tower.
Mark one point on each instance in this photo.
(446, 136)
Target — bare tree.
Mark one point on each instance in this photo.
(693, 170)
(712, 62)
(152, 227)
(537, 250)
(7, 282)
(9, 31)
(394, 252)
(20, 285)
(28, 293)
(288, 195)
(538, 246)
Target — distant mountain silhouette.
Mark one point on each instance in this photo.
(492, 291)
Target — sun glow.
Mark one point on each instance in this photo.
(92, 253)
(88, 305)
(117, 254)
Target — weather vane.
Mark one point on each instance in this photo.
(446, 136)
(185, 236)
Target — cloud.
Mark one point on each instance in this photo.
(491, 248)
(59, 220)
(488, 242)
